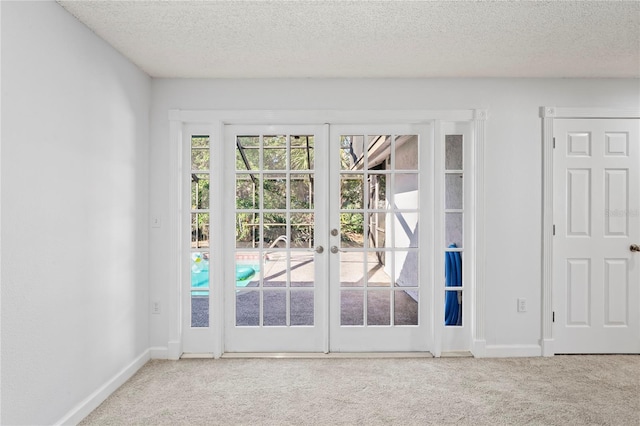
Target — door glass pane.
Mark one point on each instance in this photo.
(275, 230)
(351, 307)
(199, 191)
(378, 308)
(406, 151)
(275, 191)
(453, 152)
(302, 269)
(199, 309)
(247, 230)
(301, 187)
(302, 152)
(351, 191)
(378, 152)
(377, 275)
(199, 230)
(200, 153)
(275, 152)
(302, 308)
(352, 269)
(405, 307)
(405, 191)
(405, 226)
(352, 230)
(453, 269)
(247, 191)
(378, 223)
(453, 191)
(275, 308)
(199, 270)
(453, 228)
(275, 269)
(247, 269)
(302, 230)
(248, 153)
(199, 289)
(453, 308)
(248, 308)
(407, 266)
(351, 149)
(378, 192)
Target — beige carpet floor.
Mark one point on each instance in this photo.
(562, 390)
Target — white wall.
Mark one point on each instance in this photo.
(75, 117)
(513, 165)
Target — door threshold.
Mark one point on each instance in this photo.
(320, 355)
(456, 354)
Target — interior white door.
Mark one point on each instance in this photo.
(378, 259)
(275, 272)
(596, 275)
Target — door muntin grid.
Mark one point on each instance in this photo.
(275, 230)
(378, 199)
(454, 211)
(200, 229)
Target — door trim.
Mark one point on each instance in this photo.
(548, 114)
(217, 119)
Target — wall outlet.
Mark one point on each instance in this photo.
(522, 305)
(155, 307)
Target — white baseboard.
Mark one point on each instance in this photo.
(174, 350)
(547, 347)
(159, 352)
(508, 351)
(90, 403)
(479, 348)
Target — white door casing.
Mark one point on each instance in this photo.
(596, 216)
(212, 338)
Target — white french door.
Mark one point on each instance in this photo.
(379, 216)
(275, 229)
(321, 238)
(596, 270)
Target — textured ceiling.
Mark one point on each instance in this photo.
(263, 39)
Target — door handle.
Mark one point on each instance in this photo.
(334, 232)
(634, 247)
(319, 249)
(334, 249)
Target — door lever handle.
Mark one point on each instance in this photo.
(634, 247)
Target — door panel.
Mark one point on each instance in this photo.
(377, 291)
(597, 218)
(276, 281)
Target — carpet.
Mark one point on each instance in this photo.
(561, 390)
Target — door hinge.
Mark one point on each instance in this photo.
(554, 230)
(553, 316)
(554, 143)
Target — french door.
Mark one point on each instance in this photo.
(378, 264)
(275, 231)
(321, 238)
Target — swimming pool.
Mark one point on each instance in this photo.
(245, 273)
